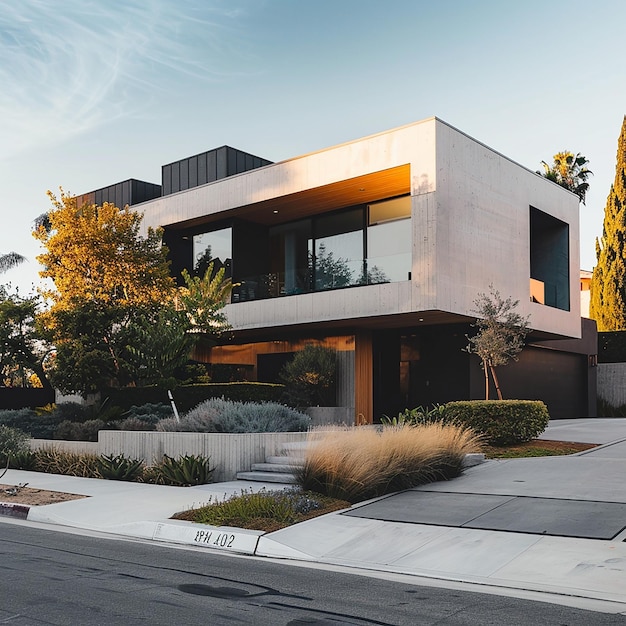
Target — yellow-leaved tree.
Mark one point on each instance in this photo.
(95, 254)
(107, 277)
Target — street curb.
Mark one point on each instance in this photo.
(16, 511)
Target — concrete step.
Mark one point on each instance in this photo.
(294, 461)
(273, 467)
(267, 477)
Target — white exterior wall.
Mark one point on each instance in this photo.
(372, 154)
(483, 205)
(470, 222)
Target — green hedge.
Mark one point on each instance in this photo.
(502, 422)
(189, 396)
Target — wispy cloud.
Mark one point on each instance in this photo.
(69, 66)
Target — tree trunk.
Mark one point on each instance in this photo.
(486, 371)
(495, 380)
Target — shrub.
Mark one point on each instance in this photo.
(133, 423)
(189, 396)
(267, 510)
(77, 431)
(358, 464)
(23, 460)
(13, 441)
(310, 377)
(70, 411)
(120, 467)
(501, 422)
(36, 425)
(53, 461)
(184, 471)
(416, 417)
(75, 412)
(151, 412)
(224, 416)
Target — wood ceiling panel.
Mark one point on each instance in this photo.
(362, 189)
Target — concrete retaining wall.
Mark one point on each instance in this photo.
(612, 383)
(229, 453)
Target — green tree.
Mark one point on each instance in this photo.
(608, 283)
(158, 345)
(106, 277)
(501, 334)
(203, 299)
(22, 352)
(570, 171)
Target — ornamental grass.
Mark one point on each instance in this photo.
(363, 463)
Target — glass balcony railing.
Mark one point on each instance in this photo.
(340, 274)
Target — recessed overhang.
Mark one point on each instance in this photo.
(371, 187)
(413, 320)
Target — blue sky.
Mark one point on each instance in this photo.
(98, 91)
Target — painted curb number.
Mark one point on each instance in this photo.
(220, 540)
(209, 537)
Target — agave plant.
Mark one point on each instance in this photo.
(120, 467)
(185, 471)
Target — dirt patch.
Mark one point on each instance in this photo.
(537, 447)
(34, 497)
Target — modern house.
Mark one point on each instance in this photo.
(378, 248)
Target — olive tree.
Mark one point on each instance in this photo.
(500, 335)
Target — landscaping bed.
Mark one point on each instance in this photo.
(536, 447)
(34, 497)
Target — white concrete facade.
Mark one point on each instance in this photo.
(470, 221)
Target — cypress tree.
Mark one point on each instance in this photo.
(608, 283)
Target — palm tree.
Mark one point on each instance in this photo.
(9, 260)
(570, 171)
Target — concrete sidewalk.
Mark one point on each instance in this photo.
(554, 525)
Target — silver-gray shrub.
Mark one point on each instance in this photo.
(12, 441)
(226, 416)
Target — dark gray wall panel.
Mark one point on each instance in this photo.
(175, 177)
(166, 179)
(211, 165)
(202, 169)
(184, 174)
(193, 171)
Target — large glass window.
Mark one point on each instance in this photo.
(359, 245)
(215, 246)
(389, 241)
(337, 250)
(289, 258)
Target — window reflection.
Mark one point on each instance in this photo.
(363, 244)
(337, 251)
(215, 246)
(389, 241)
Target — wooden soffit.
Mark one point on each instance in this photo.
(395, 181)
